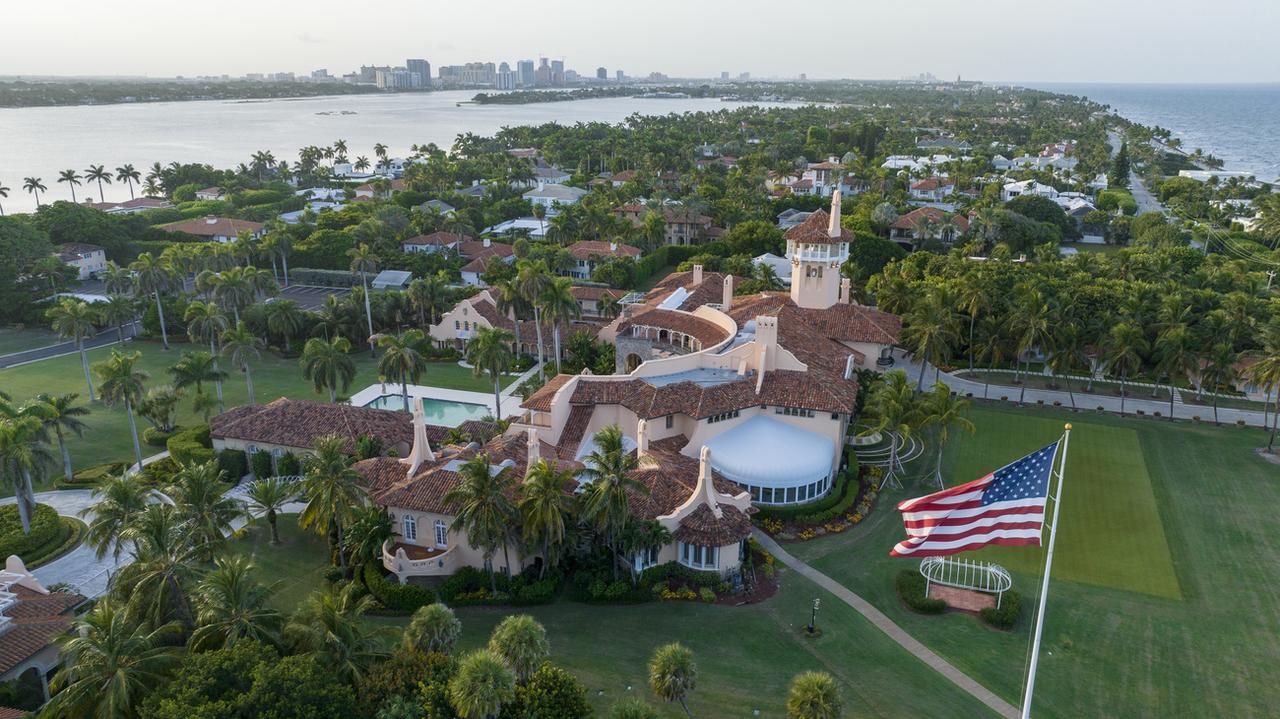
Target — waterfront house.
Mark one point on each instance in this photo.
(88, 260)
(589, 253)
(551, 196)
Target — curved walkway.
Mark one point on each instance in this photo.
(886, 625)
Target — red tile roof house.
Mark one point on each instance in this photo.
(211, 193)
(130, 207)
(368, 190)
(932, 189)
(910, 229)
(477, 253)
(32, 620)
(683, 226)
(434, 242)
(216, 229)
(591, 298)
(588, 253)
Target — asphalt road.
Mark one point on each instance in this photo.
(309, 297)
(106, 337)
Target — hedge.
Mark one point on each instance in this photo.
(234, 463)
(98, 472)
(260, 463)
(470, 586)
(675, 571)
(394, 596)
(191, 446)
(45, 529)
(911, 588)
(1007, 615)
(289, 465)
(72, 534)
(823, 508)
(156, 437)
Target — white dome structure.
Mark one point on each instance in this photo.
(778, 463)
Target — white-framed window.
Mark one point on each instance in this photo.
(410, 531)
(442, 534)
(697, 556)
(646, 558)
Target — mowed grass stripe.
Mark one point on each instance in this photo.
(1111, 532)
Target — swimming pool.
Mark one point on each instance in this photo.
(438, 411)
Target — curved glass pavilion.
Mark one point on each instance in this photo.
(778, 463)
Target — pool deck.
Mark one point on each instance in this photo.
(510, 401)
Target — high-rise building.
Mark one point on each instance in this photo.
(744, 76)
(724, 76)
(479, 73)
(507, 79)
(396, 79)
(620, 76)
(422, 68)
(542, 76)
(557, 72)
(524, 71)
(602, 74)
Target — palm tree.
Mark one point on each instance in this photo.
(240, 344)
(118, 280)
(1125, 344)
(233, 288)
(99, 174)
(72, 178)
(673, 674)
(974, 300)
(1266, 374)
(153, 276)
(1066, 353)
(490, 351)
(1220, 370)
(532, 281)
(1178, 358)
(522, 644)
(508, 300)
(119, 501)
(943, 410)
(895, 407)
(118, 310)
(401, 361)
(482, 686)
(609, 468)
(929, 333)
(197, 492)
(331, 490)
(328, 365)
(331, 624)
(361, 164)
(1032, 327)
(266, 497)
(205, 323)
(433, 629)
(540, 214)
(128, 175)
(369, 530)
(122, 383)
(427, 295)
(73, 320)
(285, 319)
(232, 605)
(196, 368)
(545, 509)
(483, 510)
(364, 261)
(559, 307)
(279, 243)
(4, 193)
(34, 186)
(110, 664)
(60, 414)
(814, 695)
(155, 585)
(22, 452)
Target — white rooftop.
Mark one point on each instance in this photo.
(764, 452)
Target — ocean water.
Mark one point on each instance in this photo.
(1238, 123)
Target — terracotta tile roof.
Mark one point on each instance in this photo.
(540, 400)
(396, 186)
(37, 621)
(473, 249)
(624, 176)
(932, 183)
(220, 227)
(705, 331)
(703, 527)
(710, 291)
(11, 713)
(909, 220)
(668, 478)
(585, 292)
(813, 230)
(438, 239)
(825, 165)
(574, 429)
(586, 249)
(299, 423)
(847, 323)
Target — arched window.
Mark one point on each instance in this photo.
(410, 532)
(442, 534)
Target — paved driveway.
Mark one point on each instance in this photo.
(310, 297)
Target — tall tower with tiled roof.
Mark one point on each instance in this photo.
(817, 248)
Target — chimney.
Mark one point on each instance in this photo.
(487, 241)
(726, 301)
(846, 290)
(211, 220)
(421, 452)
(642, 438)
(697, 274)
(706, 485)
(613, 246)
(475, 183)
(766, 347)
(534, 447)
(833, 225)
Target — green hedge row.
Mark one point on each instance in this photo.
(45, 529)
(234, 463)
(470, 586)
(394, 596)
(1007, 615)
(911, 588)
(823, 508)
(191, 446)
(72, 533)
(98, 472)
(675, 571)
(156, 437)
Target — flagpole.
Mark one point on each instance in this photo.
(1044, 588)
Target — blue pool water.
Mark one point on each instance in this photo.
(438, 411)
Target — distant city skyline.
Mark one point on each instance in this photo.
(1096, 41)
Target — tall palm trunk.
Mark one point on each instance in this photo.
(217, 383)
(497, 395)
(84, 364)
(164, 332)
(248, 380)
(923, 363)
(24, 509)
(1171, 399)
(1275, 425)
(556, 337)
(284, 261)
(333, 394)
(275, 530)
(1070, 393)
(1123, 393)
(119, 339)
(133, 430)
(66, 453)
(368, 314)
(342, 555)
(275, 273)
(404, 394)
(972, 318)
(29, 492)
(537, 325)
(1215, 409)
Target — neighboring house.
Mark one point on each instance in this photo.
(369, 190)
(216, 229)
(932, 189)
(211, 193)
(943, 143)
(826, 177)
(781, 266)
(457, 326)
(1241, 381)
(1035, 162)
(131, 207)
(552, 196)
(88, 260)
(434, 242)
(683, 226)
(392, 280)
(591, 298)
(588, 253)
(550, 175)
(924, 223)
(33, 622)
(323, 194)
(440, 206)
(477, 254)
(621, 178)
(1027, 187)
(532, 227)
(315, 207)
(792, 217)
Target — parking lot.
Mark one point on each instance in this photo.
(310, 297)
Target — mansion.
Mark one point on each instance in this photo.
(727, 402)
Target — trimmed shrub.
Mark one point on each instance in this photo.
(841, 495)
(234, 463)
(395, 597)
(98, 472)
(260, 462)
(160, 473)
(156, 437)
(680, 574)
(911, 588)
(707, 595)
(289, 465)
(191, 446)
(1007, 615)
(46, 529)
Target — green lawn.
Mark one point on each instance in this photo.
(1002, 385)
(16, 340)
(1166, 591)
(295, 565)
(107, 436)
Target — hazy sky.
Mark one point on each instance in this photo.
(1066, 41)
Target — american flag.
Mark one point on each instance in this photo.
(1004, 507)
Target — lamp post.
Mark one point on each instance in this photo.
(813, 616)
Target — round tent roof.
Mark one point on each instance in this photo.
(763, 452)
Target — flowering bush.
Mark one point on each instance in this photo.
(835, 527)
(706, 595)
(807, 534)
(772, 526)
(683, 594)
